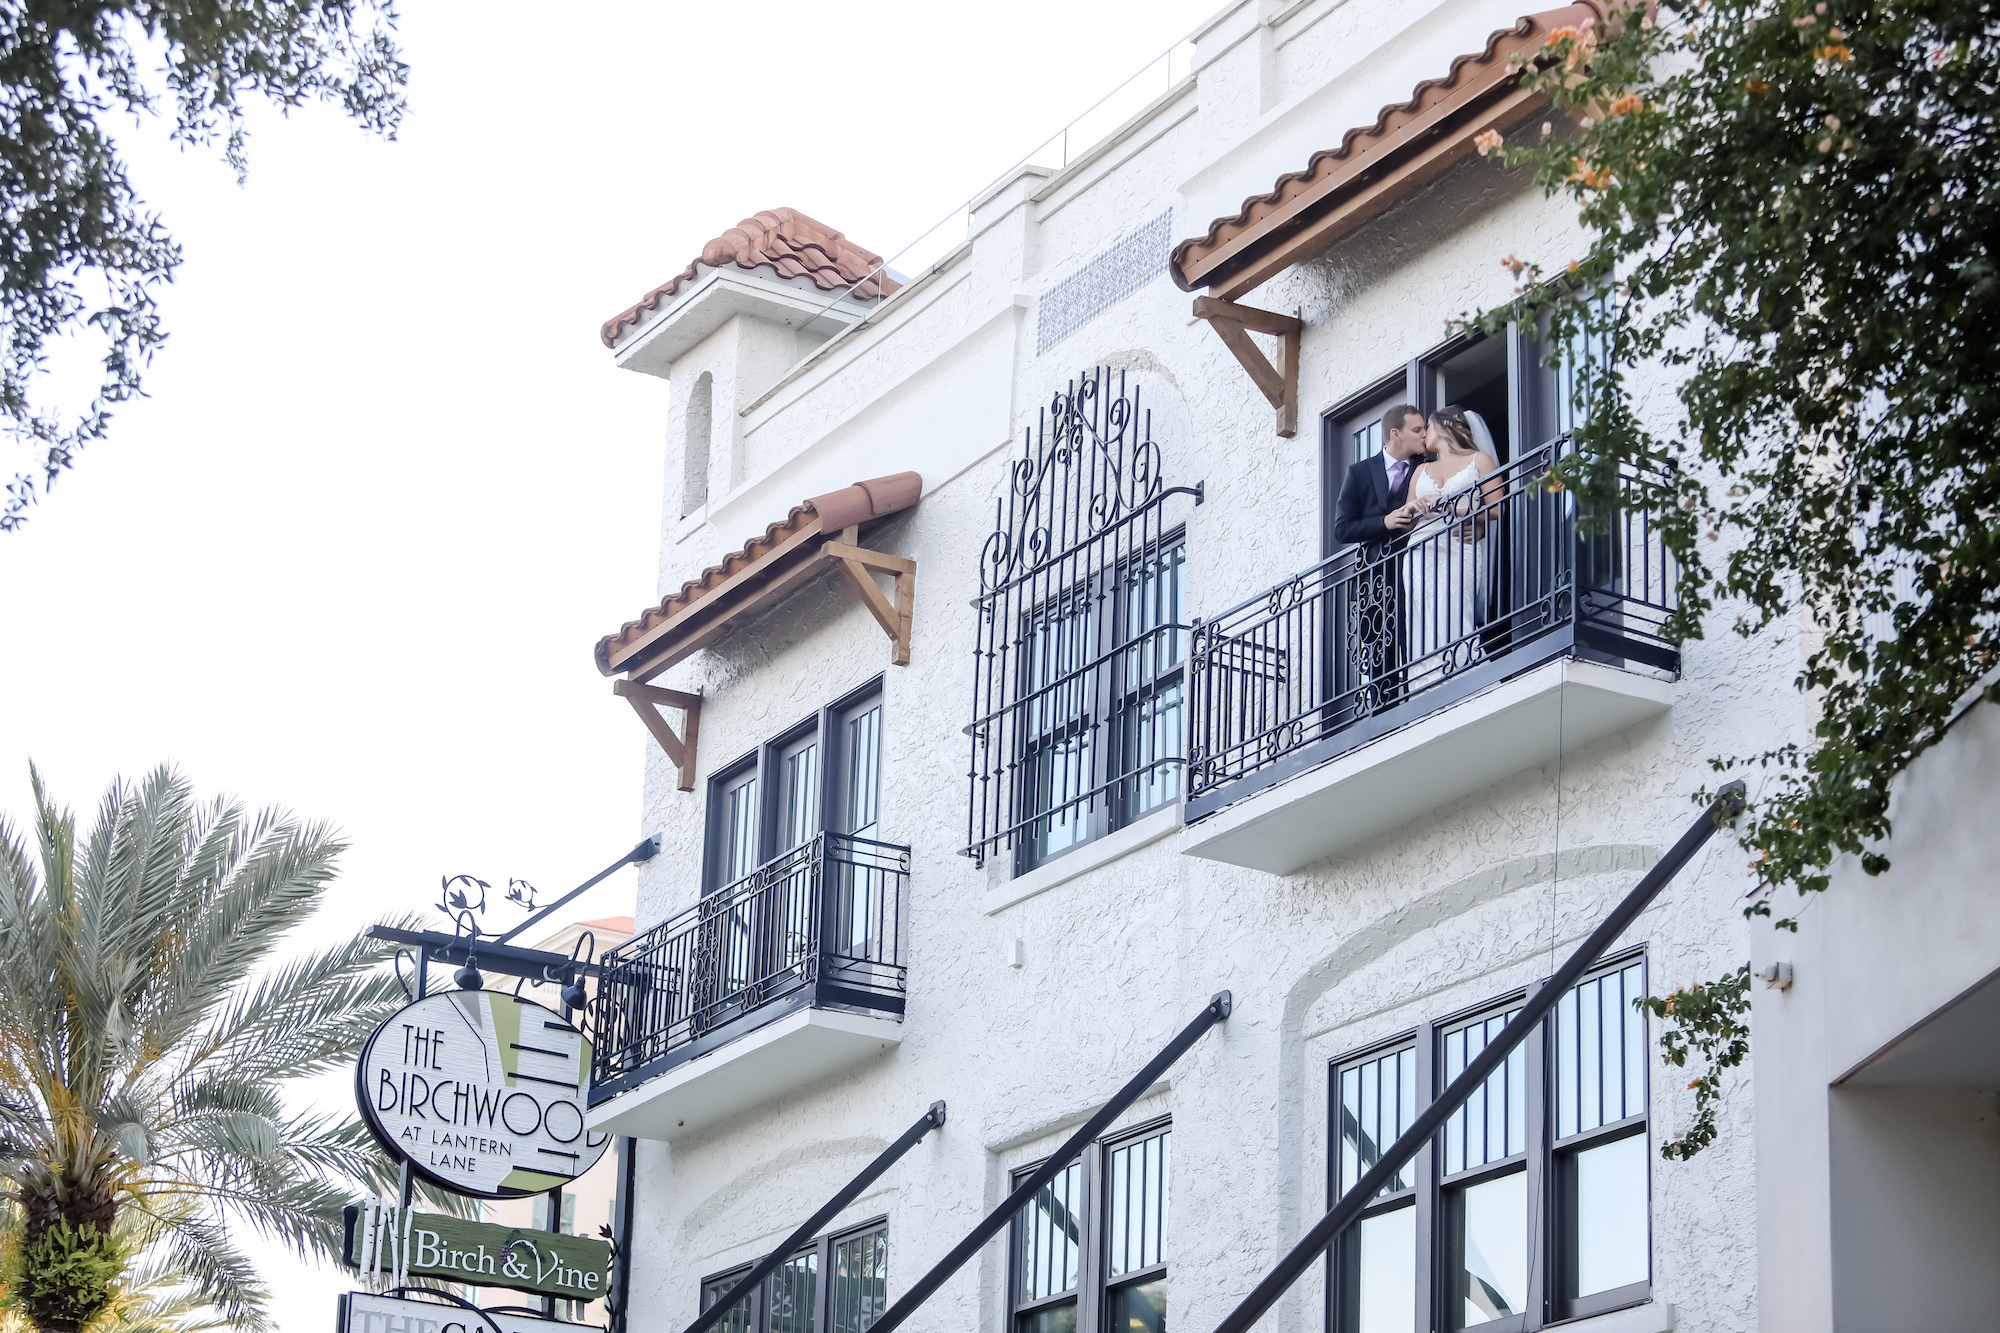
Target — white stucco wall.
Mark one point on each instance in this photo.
(1877, 1206)
(1456, 907)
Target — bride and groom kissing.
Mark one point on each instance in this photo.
(1395, 504)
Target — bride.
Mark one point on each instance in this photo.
(1446, 554)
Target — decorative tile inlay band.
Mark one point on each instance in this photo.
(1103, 282)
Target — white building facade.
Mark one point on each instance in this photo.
(979, 776)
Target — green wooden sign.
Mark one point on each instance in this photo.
(487, 1255)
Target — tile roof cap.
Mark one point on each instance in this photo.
(1389, 122)
(783, 240)
(827, 515)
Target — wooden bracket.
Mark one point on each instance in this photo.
(646, 701)
(1280, 383)
(859, 566)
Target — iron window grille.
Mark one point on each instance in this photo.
(1090, 1249)
(854, 1264)
(1532, 1204)
(1079, 661)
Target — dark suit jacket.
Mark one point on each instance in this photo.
(1365, 501)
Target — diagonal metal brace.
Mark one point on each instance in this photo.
(809, 1228)
(990, 1226)
(1727, 805)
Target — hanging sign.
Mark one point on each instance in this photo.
(481, 1254)
(365, 1312)
(481, 1092)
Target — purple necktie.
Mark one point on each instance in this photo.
(1398, 471)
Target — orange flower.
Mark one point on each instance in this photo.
(1591, 178)
(1488, 142)
(1757, 87)
(1628, 103)
(1562, 34)
(1834, 51)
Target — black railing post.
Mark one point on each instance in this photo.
(1727, 804)
(1217, 1009)
(849, 1192)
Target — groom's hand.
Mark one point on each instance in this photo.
(1400, 518)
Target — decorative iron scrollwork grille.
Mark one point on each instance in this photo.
(1078, 674)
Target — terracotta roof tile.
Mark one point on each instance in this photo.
(783, 240)
(1486, 66)
(821, 517)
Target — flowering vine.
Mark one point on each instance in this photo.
(1794, 204)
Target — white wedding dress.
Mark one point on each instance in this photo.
(1444, 578)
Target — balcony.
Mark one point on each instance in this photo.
(1375, 687)
(790, 974)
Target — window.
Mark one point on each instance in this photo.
(1079, 715)
(695, 450)
(1090, 1249)
(1531, 1204)
(824, 773)
(794, 1300)
(1104, 695)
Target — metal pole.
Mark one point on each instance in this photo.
(1728, 802)
(407, 1190)
(621, 1232)
(645, 851)
(851, 1191)
(1216, 1010)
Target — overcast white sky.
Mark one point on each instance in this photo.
(351, 555)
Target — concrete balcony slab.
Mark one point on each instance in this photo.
(780, 1057)
(1501, 731)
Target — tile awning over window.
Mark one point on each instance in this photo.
(1374, 167)
(807, 542)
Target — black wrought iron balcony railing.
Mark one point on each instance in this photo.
(819, 926)
(1502, 579)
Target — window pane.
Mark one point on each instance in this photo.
(794, 1295)
(1051, 1319)
(1492, 1125)
(1367, 441)
(1152, 728)
(1493, 1216)
(1378, 1102)
(1137, 1204)
(738, 1319)
(1051, 1229)
(1140, 1307)
(860, 1281)
(739, 831)
(1611, 1239)
(864, 771)
(1060, 774)
(1600, 1052)
(801, 813)
(1386, 1280)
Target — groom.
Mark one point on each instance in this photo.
(1373, 512)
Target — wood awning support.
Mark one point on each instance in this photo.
(646, 701)
(1280, 383)
(859, 566)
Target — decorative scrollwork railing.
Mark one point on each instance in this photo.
(1508, 575)
(1076, 716)
(821, 923)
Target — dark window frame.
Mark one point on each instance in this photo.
(1109, 710)
(1094, 1283)
(826, 726)
(1548, 1162)
(715, 1285)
